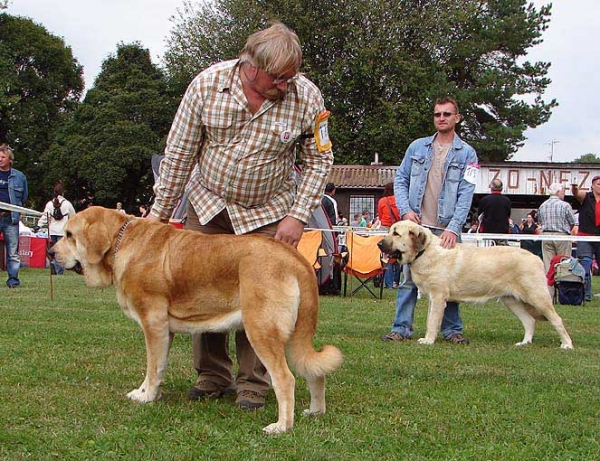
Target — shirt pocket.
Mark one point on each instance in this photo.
(18, 191)
(417, 166)
(455, 172)
(218, 129)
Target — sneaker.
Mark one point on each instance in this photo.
(207, 389)
(457, 338)
(250, 400)
(395, 337)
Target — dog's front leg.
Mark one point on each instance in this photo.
(158, 342)
(437, 304)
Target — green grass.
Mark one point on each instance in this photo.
(66, 365)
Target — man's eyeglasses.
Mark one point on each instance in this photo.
(279, 80)
(445, 114)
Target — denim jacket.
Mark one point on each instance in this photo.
(17, 191)
(457, 193)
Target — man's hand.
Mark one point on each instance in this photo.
(150, 217)
(411, 216)
(448, 240)
(289, 231)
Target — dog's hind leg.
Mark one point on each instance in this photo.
(518, 308)
(269, 346)
(316, 386)
(547, 310)
(158, 341)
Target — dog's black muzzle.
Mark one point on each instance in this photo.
(78, 268)
(392, 253)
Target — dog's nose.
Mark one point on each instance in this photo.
(380, 244)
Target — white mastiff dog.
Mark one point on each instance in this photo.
(473, 274)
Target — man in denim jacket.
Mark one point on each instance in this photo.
(434, 187)
(13, 190)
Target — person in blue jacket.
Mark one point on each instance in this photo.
(434, 187)
(14, 191)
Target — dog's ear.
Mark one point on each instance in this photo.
(97, 242)
(419, 239)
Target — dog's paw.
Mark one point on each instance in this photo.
(275, 428)
(309, 412)
(429, 342)
(566, 346)
(141, 395)
(522, 343)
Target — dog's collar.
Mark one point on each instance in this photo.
(119, 237)
(419, 254)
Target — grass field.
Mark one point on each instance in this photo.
(66, 365)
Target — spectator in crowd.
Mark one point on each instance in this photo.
(388, 214)
(589, 225)
(120, 208)
(364, 219)
(556, 217)
(356, 220)
(14, 191)
(245, 187)
(529, 227)
(494, 211)
(55, 217)
(144, 210)
(329, 203)
(426, 195)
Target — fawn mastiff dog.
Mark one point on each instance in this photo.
(177, 281)
(473, 274)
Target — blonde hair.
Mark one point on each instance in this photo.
(275, 50)
(7, 150)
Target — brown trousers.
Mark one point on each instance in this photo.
(211, 350)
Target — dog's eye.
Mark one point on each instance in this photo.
(69, 235)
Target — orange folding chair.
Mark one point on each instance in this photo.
(310, 247)
(364, 262)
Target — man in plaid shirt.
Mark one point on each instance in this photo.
(232, 147)
(556, 218)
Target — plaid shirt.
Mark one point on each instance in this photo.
(228, 158)
(556, 215)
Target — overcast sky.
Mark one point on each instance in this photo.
(93, 28)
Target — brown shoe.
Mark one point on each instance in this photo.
(394, 336)
(250, 400)
(209, 390)
(457, 338)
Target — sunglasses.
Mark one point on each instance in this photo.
(445, 114)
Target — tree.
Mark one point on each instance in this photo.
(42, 83)
(587, 158)
(381, 64)
(121, 123)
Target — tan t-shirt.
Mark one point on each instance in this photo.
(433, 189)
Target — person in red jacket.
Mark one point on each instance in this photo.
(388, 214)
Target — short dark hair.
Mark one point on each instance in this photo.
(388, 189)
(329, 187)
(446, 100)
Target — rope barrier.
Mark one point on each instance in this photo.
(474, 236)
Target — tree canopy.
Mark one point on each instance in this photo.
(41, 84)
(587, 158)
(381, 64)
(114, 132)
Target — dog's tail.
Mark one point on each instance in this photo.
(304, 358)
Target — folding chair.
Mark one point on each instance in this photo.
(363, 262)
(310, 247)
